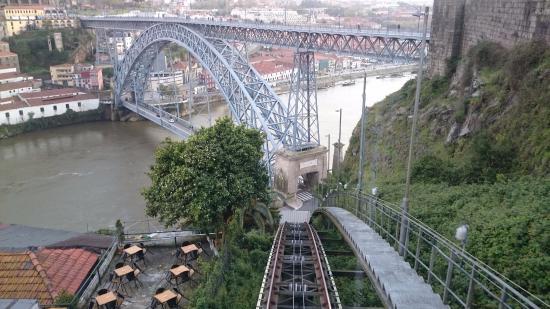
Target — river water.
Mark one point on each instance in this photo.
(85, 177)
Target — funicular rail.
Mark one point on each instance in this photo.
(297, 274)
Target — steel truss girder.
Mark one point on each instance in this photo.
(302, 103)
(250, 99)
(375, 44)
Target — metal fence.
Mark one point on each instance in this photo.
(459, 278)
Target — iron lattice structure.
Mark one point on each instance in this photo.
(302, 103)
(382, 45)
(250, 99)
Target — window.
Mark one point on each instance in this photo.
(7, 115)
(79, 104)
(21, 112)
(55, 108)
(42, 109)
(67, 106)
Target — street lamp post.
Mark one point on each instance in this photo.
(328, 155)
(339, 141)
(405, 203)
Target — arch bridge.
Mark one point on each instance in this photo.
(250, 99)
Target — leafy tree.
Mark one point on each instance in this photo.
(204, 180)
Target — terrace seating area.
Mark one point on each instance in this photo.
(150, 277)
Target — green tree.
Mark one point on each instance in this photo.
(206, 179)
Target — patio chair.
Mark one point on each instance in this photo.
(154, 303)
(102, 291)
(91, 305)
(120, 299)
(132, 277)
(145, 249)
(119, 265)
(180, 294)
(116, 282)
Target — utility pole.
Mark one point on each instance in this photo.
(362, 141)
(190, 80)
(405, 203)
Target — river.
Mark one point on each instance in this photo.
(84, 177)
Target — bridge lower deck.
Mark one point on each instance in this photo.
(399, 284)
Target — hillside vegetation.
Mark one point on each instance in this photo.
(34, 56)
(482, 156)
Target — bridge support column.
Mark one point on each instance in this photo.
(302, 103)
(299, 170)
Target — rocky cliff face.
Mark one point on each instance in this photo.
(499, 94)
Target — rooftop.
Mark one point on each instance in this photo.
(21, 277)
(16, 85)
(66, 268)
(7, 54)
(15, 237)
(7, 104)
(13, 75)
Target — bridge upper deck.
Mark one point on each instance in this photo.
(384, 45)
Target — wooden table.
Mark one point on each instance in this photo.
(189, 248)
(165, 296)
(179, 270)
(123, 271)
(133, 250)
(105, 298)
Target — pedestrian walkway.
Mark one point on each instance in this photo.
(304, 196)
(400, 285)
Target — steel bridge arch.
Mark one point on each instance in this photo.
(251, 100)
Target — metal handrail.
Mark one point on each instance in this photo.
(469, 275)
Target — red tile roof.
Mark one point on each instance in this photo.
(22, 277)
(44, 275)
(12, 103)
(52, 92)
(12, 75)
(66, 268)
(7, 54)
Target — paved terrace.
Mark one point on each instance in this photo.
(158, 260)
(399, 283)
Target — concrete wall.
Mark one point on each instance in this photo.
(15, 116)
(457, 25)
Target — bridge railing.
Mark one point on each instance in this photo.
(328, 28)
(459, 278)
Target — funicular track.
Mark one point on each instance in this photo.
(297, 274)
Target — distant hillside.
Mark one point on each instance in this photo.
(482, 156)
(34, 56)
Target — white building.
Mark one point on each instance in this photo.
(25, 106)
(166, 79)
(272, 71)
(14, 77)
(12, 89)
(271, 15)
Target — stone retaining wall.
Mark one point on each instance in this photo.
(457, 25)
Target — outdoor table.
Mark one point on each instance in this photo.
(179, 270)
(165, 296)
(105, 298)
(188, 249)
(131, 251)
(123, 271)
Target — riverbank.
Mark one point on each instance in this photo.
(68, 118)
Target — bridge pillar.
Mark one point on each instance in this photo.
(299, 170)
(302, 103)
